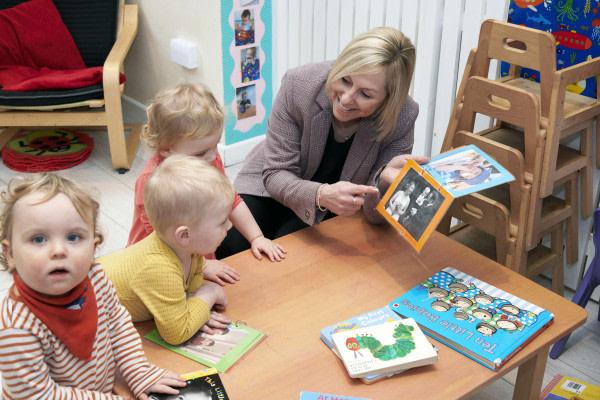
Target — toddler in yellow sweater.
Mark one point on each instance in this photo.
(161, 277)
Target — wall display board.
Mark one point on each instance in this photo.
(247, 67)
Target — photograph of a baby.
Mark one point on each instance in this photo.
(466, 170)
(469, 169)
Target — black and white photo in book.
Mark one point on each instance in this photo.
(414, 204)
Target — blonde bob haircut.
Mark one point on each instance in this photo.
(50, 184)
(182, 112)
(373, 51)
(184, 189)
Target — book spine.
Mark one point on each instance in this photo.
(529, 339)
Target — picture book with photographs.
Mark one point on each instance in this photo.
(325, 396)
(383, 348)
(374, 317)
(473, 317)
(205, 384)
(221, 350)
(566, 388)
(420, 195)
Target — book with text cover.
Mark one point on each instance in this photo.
(386, 347)
(221, 350)
(374, 317)
(473, 317)
(205, 384)
(420, 195)
(566, 388)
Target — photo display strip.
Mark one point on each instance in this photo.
(246, 48)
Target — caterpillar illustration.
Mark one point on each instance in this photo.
(404, 344)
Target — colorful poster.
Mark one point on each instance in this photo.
(247, 67)
(576, 26)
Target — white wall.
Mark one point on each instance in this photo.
(148, 66)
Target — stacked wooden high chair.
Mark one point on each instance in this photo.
(530, 120)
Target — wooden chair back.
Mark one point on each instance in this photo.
(519, 46)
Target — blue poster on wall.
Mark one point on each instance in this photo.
(247, 67)
(576, 26)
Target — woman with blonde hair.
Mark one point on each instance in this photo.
(338, 134)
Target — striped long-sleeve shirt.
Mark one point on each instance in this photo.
(35, 364)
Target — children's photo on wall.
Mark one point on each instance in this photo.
(250, 64)
(246, 101)
(414, 204)
(244, 26)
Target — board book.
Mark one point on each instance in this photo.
(374, 317)
(383, 348)
(325, 396)
(473, 317)
(566, 388)
(420, 195)
(220, 351)
(205, 384)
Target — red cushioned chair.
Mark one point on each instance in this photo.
(103, 31)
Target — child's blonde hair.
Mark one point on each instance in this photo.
(183, 189)
(182, 112)
(51, 184)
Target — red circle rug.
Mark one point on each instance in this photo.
(47, 150)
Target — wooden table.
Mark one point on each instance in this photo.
(342, 268)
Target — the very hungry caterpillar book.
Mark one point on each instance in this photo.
(374, 317)
(382, 348)
(481, 321)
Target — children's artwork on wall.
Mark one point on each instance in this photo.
(576, 26)
(247, 67)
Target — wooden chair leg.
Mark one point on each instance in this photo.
(597, 142)
(587, 173)
(558, 280)
(572, 223)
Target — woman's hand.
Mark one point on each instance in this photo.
(393, 168)
(345, 198)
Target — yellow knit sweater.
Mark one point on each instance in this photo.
(150, 284)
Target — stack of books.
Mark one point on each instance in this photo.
(379, 344)
(468, 315)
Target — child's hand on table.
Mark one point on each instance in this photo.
(273, 250)
(216, 322)
(165, 385)
(219, 272)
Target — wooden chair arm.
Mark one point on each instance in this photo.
(114, 62)
(579, 72)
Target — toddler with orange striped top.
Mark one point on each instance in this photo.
(63, 331)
